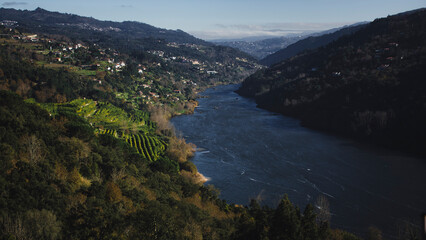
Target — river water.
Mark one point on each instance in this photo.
(247, 152)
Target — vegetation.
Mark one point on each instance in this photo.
(90, 186)
(85, 154)
(277, 49)
(149, 147)
(368, 85)
(176, 51)
(61, 180)
(309, 43)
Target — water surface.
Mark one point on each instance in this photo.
(248, 152)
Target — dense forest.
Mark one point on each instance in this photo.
(87, 151)
(368, 85)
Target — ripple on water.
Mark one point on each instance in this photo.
(251, 153)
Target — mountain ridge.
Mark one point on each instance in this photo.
(53, 18)
(140, 41)
(266, 46)
(367, 85)
(308, 43)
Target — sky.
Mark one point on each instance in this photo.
(229, 19)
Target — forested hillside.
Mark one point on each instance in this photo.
(57, 23)
(173, 49)
(274, 50)
(308, 43)
(369, 85)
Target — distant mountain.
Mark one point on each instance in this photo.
(44, 21)
(311, 42)
(139, 40)
(368, 85)
(261, 48)
(243, 39)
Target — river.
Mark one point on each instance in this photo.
(247, 152)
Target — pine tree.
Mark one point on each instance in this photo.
(285, 222)
(308, 226)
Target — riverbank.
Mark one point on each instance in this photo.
(189, 108)
(270, 155)
(377, 129)
(200, 178)
(178, 148)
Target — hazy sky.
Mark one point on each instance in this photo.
(215, 19)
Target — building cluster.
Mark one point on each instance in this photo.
(387, 55)
(9, 23)
(58, 53)
(88, 26)
(201, 66)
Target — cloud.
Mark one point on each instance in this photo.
(236, 31)
(10, 4)
(126, 6)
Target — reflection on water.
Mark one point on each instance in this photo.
(251, 153)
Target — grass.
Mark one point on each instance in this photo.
(85, 72)
(55, 65)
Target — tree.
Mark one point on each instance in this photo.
(113, 192)
(33, 147)
(285, 221)
(337, 234)
(76, 150)
(309, 228)
(6, 157)
(13, 228)
(374, 234)
(42, 224)
(323, 209)
(261, 219)
(100, 75)
(408, 231)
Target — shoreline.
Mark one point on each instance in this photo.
(227, 178)
(200, 178)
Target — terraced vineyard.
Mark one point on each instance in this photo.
(106, 118)
(104, 115)
(109, 131)
(147, 146)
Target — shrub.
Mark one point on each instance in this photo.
(179, 150)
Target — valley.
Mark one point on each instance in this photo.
(368, 85)
(105, 125)
(270, 155)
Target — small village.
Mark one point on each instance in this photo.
(103, 65)
(153, 81)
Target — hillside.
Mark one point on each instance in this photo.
(62, 179)
(139, 41)
(308, 43)
(268, 49)
(87, 152)
(43, 21)
(368, 85)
